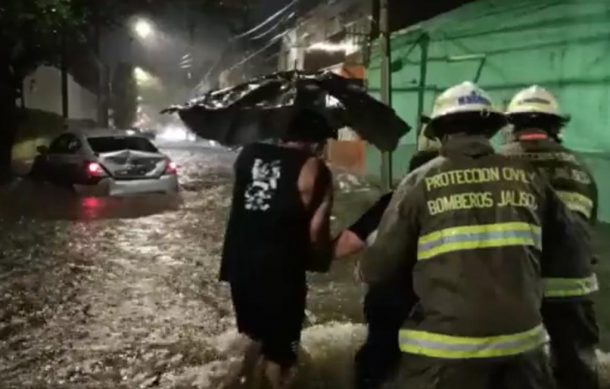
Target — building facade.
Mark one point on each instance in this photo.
(42, 91)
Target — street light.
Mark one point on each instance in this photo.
(146, 80)
(143, 28)
(347, 47)
(142, 76)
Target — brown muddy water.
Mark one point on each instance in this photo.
(108, 293)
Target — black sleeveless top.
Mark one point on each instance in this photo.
(267, 238)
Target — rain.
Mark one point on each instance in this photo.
(116, 290)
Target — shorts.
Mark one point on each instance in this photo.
(273, 318)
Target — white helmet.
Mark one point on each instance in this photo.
(534, 100)
(462, 98)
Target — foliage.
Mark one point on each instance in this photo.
(31, 31)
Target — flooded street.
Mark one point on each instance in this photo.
(124, 292)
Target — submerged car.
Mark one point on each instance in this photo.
(106, 162)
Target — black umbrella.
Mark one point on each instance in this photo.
(263, 108)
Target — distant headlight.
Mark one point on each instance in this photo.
(175, 134)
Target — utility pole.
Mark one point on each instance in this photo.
(64, 77)
(423, 72)
(248, 17)
(191, 28)
(386, 85)
(102, 76)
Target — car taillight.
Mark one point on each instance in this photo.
(171, 168)
(94, 169)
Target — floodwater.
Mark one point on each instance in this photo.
(109, 293)
(123, 293)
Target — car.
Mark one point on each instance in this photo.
(106, 162)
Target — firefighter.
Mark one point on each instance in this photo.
(385, 307)
(537, 123)
(470, 228)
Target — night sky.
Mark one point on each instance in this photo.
(405, 13)
(402, 12)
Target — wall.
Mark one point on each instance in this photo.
(347, 155)
(42, 91)
(43, 116)
(561, 44)
(337, 21)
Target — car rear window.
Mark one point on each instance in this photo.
(109, 144)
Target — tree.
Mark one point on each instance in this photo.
(125, 96)
(30, 35)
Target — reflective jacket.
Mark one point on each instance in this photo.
(568, 176)
(471, 227)
(574, 185)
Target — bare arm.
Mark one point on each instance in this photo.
(362, 233)
(347, 243)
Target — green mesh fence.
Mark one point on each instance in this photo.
(563, 45)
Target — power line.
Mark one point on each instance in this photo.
(256, 28)
(271, 42)
(256, 53)
(274, 27)
(267, 21)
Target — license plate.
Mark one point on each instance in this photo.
(132, 172)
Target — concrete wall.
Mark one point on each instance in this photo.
(560, 44)
(43, 115)
(42, 91)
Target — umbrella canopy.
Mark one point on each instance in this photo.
(263, 108)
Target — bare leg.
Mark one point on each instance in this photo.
(246, 373)
(279, 377)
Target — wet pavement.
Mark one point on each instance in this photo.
(123, 293)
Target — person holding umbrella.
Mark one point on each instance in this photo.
(278, 228)
(279, 222)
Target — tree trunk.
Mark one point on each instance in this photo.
(10, 121)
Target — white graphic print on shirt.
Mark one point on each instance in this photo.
(263, 186)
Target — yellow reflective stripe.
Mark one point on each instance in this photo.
(570, 287)
(477, 237)
(476, 229)
(458, 347)
(577, 202)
